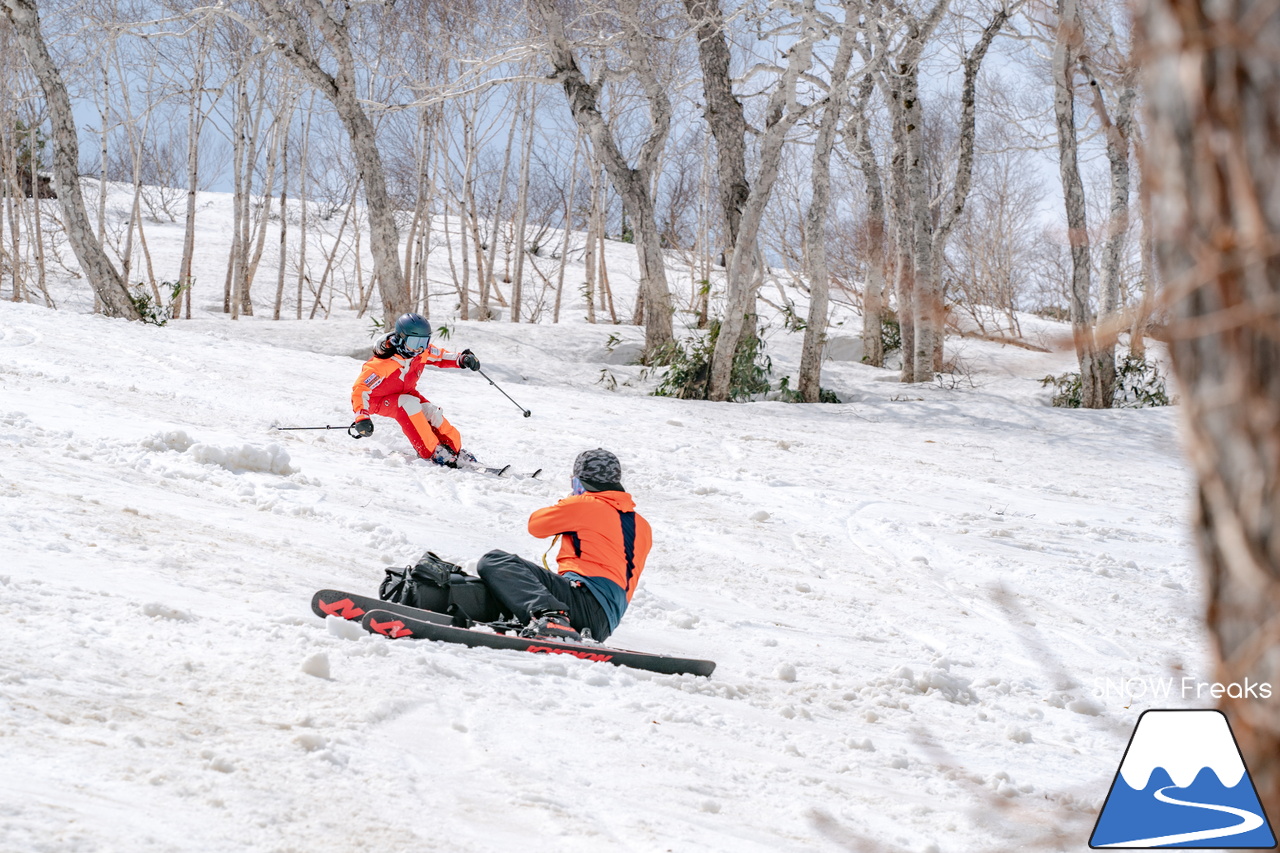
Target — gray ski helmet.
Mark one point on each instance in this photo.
(412, 334)
(598, 470)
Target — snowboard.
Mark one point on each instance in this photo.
(352, 606)
(397, 624)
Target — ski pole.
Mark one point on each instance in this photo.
(347, 428)
(527, 413)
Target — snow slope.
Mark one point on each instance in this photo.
(918, 601)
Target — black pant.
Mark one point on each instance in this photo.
(525, 588)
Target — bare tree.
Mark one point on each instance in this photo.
(1066, 52)
(106, 282)
(1213, 90)
(815, 332)
(873, 300)
(341, 88)
(744, 198)
(633, 184)
(1109, 68)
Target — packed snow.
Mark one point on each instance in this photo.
(937, 611)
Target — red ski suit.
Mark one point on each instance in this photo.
(389, 387)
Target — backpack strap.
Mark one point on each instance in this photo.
(629, 544)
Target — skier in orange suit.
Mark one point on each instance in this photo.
(388, 386)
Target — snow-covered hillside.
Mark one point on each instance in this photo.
(913, 598)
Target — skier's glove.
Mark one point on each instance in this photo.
(468, 360)
(362, 428)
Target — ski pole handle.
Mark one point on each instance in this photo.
(527, 413)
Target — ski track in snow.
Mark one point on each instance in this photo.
(910, 602)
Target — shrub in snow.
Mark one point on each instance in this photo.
(688, 371)
(272, 459)
(787, 394)
(156, 307)
(1139, 384)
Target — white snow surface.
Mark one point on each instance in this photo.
(917, 599)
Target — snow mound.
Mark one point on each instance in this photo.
(155, 609)
(174, 439)
(317, 665)
(272, 459)
(937, 679)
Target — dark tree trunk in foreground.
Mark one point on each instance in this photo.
(103, 277)
(1213, 182)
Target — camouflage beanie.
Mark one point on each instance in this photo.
(598, 470)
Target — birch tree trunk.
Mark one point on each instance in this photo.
(873, 292)
(230, 285)
(815, 330)
(743, 272)
(1213, 92)
(1065, 54)
(304, 202)
(1118, 128)
(632, 184)
(924, 301)
(723, 112)
(522, 210)
(919, 306)
(904, 274)
(341, 90)
(594, 224)
(102, 276)
(960, 186)
(284, 219)
(496, 228)
(195, 125)
(568, 228)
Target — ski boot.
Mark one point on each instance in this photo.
(551, 625)
(444, 456)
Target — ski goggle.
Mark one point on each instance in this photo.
(578, 488)
(416, 343)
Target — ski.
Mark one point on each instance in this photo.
(352, 606)
(395, 624)
(504, 471)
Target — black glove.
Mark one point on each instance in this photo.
(468, 360)
(362, 428)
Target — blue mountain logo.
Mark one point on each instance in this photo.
(1182, 783)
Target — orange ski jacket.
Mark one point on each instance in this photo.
(396, 374)
(596, 527)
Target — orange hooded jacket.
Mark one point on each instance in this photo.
(395, 374)
(595, 530)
